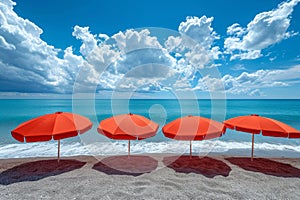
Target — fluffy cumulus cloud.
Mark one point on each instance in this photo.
(133, 59)
(26, 60)
(125, 61)
(266, 29)
(195, 43)
(89, 40)
(250, 83)
(133, 40)
(29, 64)
(200, 30)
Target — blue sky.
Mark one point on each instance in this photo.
(150, 49)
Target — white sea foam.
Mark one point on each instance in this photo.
(49, 149)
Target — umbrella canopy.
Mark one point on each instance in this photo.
(256, 124)
(193, 128)
(55, 126)
(128, 127)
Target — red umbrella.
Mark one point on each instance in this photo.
(256, 124)
(55, 126)
(128, 127)
(193, 128)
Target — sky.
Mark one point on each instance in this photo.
(150, 49)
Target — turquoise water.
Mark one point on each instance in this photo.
(14, 112)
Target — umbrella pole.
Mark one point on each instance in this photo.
(58, 151)
(128, 148)
(252, 147)
(190, 149)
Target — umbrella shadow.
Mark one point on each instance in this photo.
(265, 166)
(124, 165)
(36, 170)
(206, 166)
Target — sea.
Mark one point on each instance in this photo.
(162, 111)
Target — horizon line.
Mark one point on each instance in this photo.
(39, 98)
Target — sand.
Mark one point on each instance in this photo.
(150, 177)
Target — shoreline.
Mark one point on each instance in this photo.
(150, 176)
(209, 147)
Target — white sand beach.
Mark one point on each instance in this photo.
(150, 177)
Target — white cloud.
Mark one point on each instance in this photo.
(104, 60)
(194, 48)
(89, 41)
(198, 57)
(35, 63)
(285, 74)
(134, 40)
(103, 37)
(248, 55)
(182, 85)
(101, 56)
(200, 30)
(250, 83)
(266, 29)
(236, 30)
(5, 45)
(195, 44)
(128, 57)
(238, 67)
(256, 92)
(247, 82)
(150, 71)
(173, 44)
(141, 85)
(141, 57)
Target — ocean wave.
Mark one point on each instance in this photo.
(49, 149)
